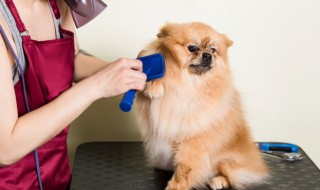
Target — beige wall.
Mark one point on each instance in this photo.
(275, 61)
(103, 121)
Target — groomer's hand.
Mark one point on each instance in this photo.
(118, 77)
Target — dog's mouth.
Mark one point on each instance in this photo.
(200, 68)
(202, 65)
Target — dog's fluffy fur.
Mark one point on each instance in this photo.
(191, 119)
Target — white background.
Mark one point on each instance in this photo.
(275, 61)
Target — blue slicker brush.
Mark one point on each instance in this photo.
(154, 67)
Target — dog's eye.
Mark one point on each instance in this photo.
(192, 48)
(213, 50)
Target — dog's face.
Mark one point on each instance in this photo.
(194, 46)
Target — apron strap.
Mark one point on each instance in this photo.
(55, 9)
(57, 22)
(16, 37)
(22, 29)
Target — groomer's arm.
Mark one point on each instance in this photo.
(21, 135)
(85, 64)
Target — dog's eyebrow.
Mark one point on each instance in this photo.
(206, 41)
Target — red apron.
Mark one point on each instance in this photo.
(50, 68)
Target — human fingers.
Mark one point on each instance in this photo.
(138, 78)
(138, 75)
(135, 64)
(136, 85)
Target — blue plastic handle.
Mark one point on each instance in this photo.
(127, 100)
(154, 67)
(285, 147)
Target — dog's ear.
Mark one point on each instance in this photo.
(165, 30)
(227, 41)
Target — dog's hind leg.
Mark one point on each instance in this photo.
(238, 176)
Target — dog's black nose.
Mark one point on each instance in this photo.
(206, 56)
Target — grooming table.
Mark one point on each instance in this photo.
(122, 166)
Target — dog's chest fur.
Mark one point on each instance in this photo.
(184, 110)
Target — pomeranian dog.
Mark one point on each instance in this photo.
(191, 120)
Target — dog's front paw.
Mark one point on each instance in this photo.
(219, 182)
(174, 185)
(153, 90)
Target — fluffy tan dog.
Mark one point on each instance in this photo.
(191, 119)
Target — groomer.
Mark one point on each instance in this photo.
(39, 61)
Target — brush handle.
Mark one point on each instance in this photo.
(282, 147)
(127, 100)
(157, 62)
